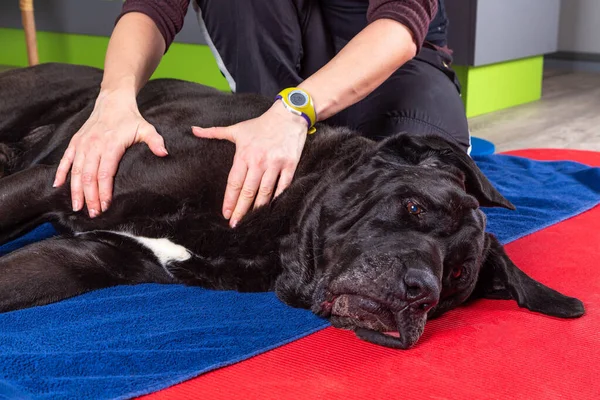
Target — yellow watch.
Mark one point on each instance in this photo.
(299, 102)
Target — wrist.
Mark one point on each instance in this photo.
(323, 104)
(123, 84)
(117, 98)
(279, 110)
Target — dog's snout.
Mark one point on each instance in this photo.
(422, 288)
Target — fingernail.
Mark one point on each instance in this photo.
(75, 205)
(227, 214)
(55, 184)
(164, 150)
(104, 205)
(233, 224)
(93, 213)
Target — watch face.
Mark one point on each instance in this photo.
(298, 99)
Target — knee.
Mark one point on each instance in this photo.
(418, 122)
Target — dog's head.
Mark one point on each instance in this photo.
(399, 238)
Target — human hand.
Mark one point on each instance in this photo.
(268, 149)
(96, 149)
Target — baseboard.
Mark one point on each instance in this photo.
(190, 62)
(573, 61)
(502, 85)
(574, 56)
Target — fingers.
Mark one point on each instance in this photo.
(93, 161)
(251, 183)
(155, 142)
(225, 133)
(267, 187)
(235, 182)
(89, 181)
(65, 165)
(107, 170)
(247, 194)
(285, 179)
(76, 184)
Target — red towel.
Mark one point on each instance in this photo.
(489, 350)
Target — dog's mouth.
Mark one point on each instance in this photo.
(375, 322)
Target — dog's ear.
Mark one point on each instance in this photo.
(435, 152)
(500, 278)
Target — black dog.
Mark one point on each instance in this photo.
(375, 236)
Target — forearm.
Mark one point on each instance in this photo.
(360, 67)
(134, 51)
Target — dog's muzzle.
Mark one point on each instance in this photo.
(379, 321)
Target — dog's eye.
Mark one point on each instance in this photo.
(457, 272)
(414, 208)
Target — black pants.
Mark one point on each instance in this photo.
(263, 46)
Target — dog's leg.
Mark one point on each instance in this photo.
(41, 95)
(41, 107)
(58, 268)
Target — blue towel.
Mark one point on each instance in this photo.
(132, 340)
(544, 192)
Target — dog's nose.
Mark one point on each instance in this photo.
(422, 288)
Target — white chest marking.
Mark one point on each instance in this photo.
(164, 250)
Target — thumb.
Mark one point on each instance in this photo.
(155, 142)
(214, 133)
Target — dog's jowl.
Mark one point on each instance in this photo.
(377, 237)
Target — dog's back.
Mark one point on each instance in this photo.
(42, 107)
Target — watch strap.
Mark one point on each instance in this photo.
(299, 102)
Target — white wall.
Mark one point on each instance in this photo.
(513, 29)
(579, 26)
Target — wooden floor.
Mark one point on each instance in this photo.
(567, 116)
